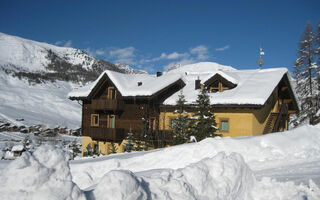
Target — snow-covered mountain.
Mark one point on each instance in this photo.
(39, 61)
(36, 77)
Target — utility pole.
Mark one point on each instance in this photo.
(260, 60)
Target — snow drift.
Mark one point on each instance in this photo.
(220, 177)
(45, 174)
(297, 145)
(209, 169)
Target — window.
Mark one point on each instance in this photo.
(111, 121)
(224, 125)
(217, 87)
(94, 119)
(112, 93)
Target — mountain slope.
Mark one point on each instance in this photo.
(36, 77)
(39, 62)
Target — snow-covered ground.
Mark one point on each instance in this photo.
(275, 166)
(45, 103)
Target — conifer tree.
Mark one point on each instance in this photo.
(305, 73)
(129, 145)
(204, 124)
(145, 134)
(113, 148)
(180, 124)
(89, 150)
(317, 52)
(75, 149)
(139, 141)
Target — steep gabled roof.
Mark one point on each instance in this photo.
(127, 84)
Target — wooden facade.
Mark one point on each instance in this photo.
(108, 116)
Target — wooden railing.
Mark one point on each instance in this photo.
(107, 104)
(105, 134)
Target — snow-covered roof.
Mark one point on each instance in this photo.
(253, 87)
(127, 84)
(17, 148)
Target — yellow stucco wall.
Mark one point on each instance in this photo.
(240, 121)
(104, 147)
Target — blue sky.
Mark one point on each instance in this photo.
(152, 35)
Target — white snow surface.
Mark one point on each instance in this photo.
(38, 104)
(253, 86)
(216, 168)
(31, 56)
(17, 147)
(44, 174)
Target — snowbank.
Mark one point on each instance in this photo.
(220, 177)
(300, 144)
(209, 169)
(45, 174)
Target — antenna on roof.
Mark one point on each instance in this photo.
(260, 60)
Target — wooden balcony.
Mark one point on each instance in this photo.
(105, 134)
(107, 104)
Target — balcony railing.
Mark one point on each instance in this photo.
(105, 134)
(107, 104)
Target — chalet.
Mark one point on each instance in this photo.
(245, 102)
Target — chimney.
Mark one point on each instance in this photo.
(159, 74)
(139, 83)
(197, 84)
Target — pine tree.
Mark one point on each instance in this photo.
(139, 141)
(146, 134)
(113, 148)
(204, 124)
(89, 150)
(129, 145)
(180, 124)
(305, 73)
(317, 52)
(75, 149)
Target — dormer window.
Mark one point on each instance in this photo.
(218, 87)
(218, 83)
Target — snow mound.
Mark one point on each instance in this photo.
(120, 184)
(45, 174)
(223, 176)
(292, 146)
(220, 177)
